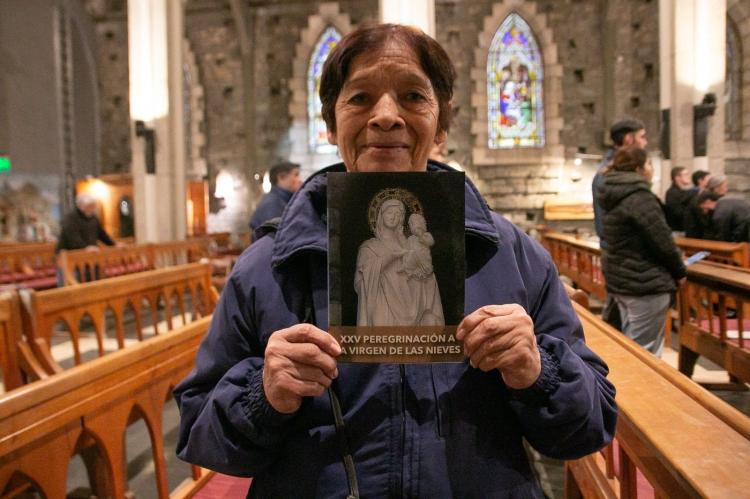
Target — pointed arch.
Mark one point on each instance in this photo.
(515, 102)
(516, 56)
(317, 137)
(312, 44)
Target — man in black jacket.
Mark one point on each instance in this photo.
(730, 217)
(641, 263)
(678, 198)
(81, 228)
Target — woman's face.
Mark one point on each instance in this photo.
(393, 216)
(387, 113)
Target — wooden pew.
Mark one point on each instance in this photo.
(577, 259)
(79, 266)
(178, 252)
(678, 437)
(87, 410)
(28, 265)
(707, 328)
(737, 254)
(580, 260)
(84, 266)
(69, 305)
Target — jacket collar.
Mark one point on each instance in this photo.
(304, 227)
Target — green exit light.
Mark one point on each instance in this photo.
(4, 164)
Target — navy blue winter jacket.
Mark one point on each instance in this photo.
(271, 206)
(421, 431)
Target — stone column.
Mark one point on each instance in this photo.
(155, 32)
(693, 46)
(420, 13)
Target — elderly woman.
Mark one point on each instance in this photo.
(256, 403)
(641, 263)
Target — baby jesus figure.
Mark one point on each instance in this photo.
(417, 261)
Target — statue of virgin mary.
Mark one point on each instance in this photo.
(386, 295)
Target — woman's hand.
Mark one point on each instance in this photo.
(300, 361)
(502, 337)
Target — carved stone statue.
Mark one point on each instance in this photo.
(394, 280)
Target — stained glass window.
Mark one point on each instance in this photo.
(317, 135)
(515, 107)
(733, 85)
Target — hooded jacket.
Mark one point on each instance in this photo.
(641, 257)
(421, 430)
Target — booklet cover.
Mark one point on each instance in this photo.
(396, 265)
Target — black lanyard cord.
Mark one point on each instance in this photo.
(338, 417)
(351, 475)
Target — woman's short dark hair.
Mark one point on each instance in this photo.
(432, 58)
(629, 159)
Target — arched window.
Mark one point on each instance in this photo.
(317, 136)
(733, 84)
(515, 106)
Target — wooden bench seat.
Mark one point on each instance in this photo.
(87, 410)
(710, 293)
(28, 265)
(77, 316)
(80, 266)
(684, 440)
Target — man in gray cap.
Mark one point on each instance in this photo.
(626, 132)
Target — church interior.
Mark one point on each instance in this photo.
(158, 123)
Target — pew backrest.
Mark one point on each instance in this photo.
(10, 333)
(28, 264)
(179, 252)
(42, 425)
(577, 259)
(79, 266)
(715, 317)
(125, 297)
(737, 254)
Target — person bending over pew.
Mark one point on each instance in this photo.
(641, 263)
(257, 403)
(81, 229)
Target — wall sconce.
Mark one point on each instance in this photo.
(701, 113)
(148, 134)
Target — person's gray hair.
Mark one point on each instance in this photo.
(715, 181)
(84, 198)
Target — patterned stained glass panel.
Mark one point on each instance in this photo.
(515, 106)
(317, 135)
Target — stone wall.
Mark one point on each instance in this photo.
(590, 98)
(114, 94)
(738, 174)
(597, 86)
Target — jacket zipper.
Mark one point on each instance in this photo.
(402, 372)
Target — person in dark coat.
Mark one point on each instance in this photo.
(285, 181)
(81, 228)
(641, 263)
(730, 217)
(700, 179)
(257, 403)
(698, 224)
(624, 133)
(677, 199)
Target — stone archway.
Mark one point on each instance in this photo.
(552, 84)
(517, 181)
(328, 15)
